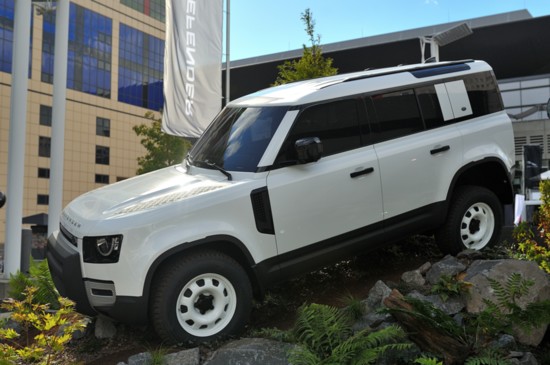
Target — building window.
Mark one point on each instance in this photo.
(101, 155)
(7, 12)
(43, 173)
(44, 146)
(154, 8)
(141, 67)
(120, 178)
(89, 58)
(46, 115)
(42, 199)
(103, 127)
(101, 179)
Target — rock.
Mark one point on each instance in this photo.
(414, 278)
(424, 268)
(506, 342)
(144, 358)
(449, 266)
(186, 357)
(104, 328)
(377, 294)
(522, 358)
(251, 351)
(500, 270)
(451, 306)
(371, 320)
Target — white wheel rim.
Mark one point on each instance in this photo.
(477, 226)
(206, 304)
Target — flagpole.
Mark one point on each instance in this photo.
(17, 145)
(227, 54)
(58, 113)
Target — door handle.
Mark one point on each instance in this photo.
(366, 171)
(435, 151)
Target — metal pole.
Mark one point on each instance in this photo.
(18, 123)
(58, 114)
(227, 54)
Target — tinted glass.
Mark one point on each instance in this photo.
(430, 107)
(483, 94)
(236, 140)
(396, 114)
(336, 124)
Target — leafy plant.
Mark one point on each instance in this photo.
(312, 64)
(450, 286)
(501, 315)
(536, 247)
(428, 361)
(488, 357)
(44, 333)
(326, 337)
(163, 149)
(353, 306)
(40, 278)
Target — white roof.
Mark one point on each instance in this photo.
(325, 88)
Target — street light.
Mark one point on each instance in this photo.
(442, 39)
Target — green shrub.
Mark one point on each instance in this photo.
(40, 278)
(536, 246)
(43, 334)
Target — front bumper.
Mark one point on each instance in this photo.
(66, 272)
(91, 296)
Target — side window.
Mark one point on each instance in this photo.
(430, 107)
(336, 124)
(483, 94)
(396, 115)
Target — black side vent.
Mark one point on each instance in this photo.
(262, 210)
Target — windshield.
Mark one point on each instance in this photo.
(237, 138)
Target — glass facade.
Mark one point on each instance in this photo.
(89, 58)
(153, 8)
(141, 65)
(7, 13)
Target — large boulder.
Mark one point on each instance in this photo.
(479, 274)
(251, 351)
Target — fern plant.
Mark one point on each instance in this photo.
(501, 315)
(326, 337)
(40, 278)
(488, 357)
(424, 360)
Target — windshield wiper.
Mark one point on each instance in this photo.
(220, 169)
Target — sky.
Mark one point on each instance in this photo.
(261, 27)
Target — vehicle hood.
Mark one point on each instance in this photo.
(144, 192)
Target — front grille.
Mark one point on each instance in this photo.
(68, 236)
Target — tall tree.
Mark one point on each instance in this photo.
(312, 64)
(163, 150)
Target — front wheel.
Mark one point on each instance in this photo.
(202, 297)
(474, 221)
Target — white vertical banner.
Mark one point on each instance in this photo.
(192, 66)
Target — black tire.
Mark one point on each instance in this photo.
(474, 221)
(203, 297)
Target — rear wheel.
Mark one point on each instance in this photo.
(474, 221)
(203, 297)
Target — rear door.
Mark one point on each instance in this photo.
(339, 194)
(417, 152)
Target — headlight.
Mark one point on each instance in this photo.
(102, 249)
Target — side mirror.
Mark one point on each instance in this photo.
(2, 199)
(308, 149)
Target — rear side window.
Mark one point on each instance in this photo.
(483, 93)
(396, 115)
(335, 123)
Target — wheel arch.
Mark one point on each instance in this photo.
(227, 245)
(490, 173)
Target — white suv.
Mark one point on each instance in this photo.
(287, 180)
